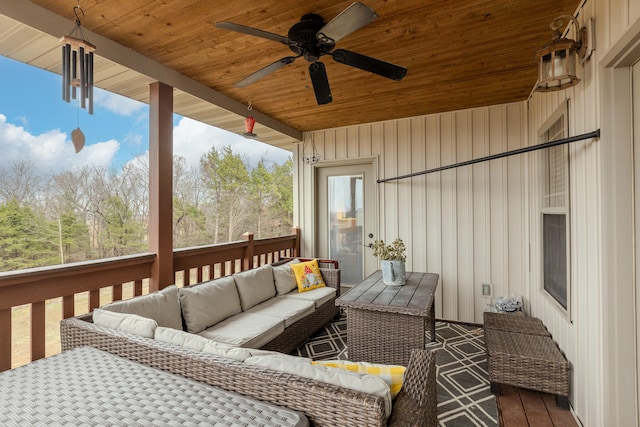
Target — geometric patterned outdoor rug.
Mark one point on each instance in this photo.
(464, 398)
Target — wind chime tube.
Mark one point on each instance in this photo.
(74, 72)
(66, 72)
(64, 52)
(90, 88)
(83, 78)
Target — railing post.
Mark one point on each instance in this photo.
(161, 184)
(5, 339)
(247, 261)
(296, 248)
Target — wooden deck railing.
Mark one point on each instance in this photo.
(105, 279)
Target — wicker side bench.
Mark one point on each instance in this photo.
(527, 360)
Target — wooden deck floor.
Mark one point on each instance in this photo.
(519, 407)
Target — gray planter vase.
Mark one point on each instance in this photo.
(393, 273)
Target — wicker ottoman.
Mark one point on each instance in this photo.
(517, 324)
(528, 361)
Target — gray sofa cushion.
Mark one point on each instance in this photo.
(208, 303)
(289, 310)
(126, 322)
(162, 306)
(284, 278)
(319, 296)
(198, 343)
(255, 286)
(245, 330)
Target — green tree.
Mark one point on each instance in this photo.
(123, 235)
(260, 196)
(189, 220)
(282, 202)
(227, 179)
(73, 237)
(25, 238)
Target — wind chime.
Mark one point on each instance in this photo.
(249, 123)
(77, 72)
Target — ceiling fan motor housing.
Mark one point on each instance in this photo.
(304, 35)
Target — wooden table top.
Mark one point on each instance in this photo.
(415, 297)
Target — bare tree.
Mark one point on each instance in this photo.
(20, 182)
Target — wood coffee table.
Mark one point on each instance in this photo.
(384, 323)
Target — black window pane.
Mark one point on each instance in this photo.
(555, 256)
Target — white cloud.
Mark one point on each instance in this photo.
(51, 151)
(191, 139)
(117, 104)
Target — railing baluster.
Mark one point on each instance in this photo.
(137, 288)
(116, 293)
(68, 306)
(5, 339)
(37, 330)
(94, 299)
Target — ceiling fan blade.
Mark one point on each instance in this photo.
(238, 28)
(346, 22)
(320, 83)
(367, 63)
(263, 72)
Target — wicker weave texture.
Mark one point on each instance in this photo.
(417, 405)
(527, 361)
(322, 403)
(383, 337)
(518, 324)
(85, 386)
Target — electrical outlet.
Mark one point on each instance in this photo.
(486, 289)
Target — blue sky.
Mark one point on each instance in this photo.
(36, 124)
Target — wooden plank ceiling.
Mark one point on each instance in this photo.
(459, 54)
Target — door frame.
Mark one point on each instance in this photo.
(619, 209)
(371, 160)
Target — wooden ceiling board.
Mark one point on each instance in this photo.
(459, 54)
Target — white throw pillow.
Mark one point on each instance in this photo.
(352, 380)
(131, 323)
(198, 343)
(208, 303)
(284, 278)
(162, 306)
(255, 286)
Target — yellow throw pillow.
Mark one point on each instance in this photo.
(393, 375)
(308, 275)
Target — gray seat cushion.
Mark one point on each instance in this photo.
(246, 330)
(289, 310)
(319, 296)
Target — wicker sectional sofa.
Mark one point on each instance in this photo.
(325, 403)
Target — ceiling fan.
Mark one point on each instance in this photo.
(312, 38)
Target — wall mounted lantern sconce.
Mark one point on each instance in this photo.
(557, 60)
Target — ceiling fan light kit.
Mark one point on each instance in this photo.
(312, 38)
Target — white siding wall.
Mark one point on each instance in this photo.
(467, 224)
(481, 223)
(582, 334)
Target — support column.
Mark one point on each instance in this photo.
(161, 184)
